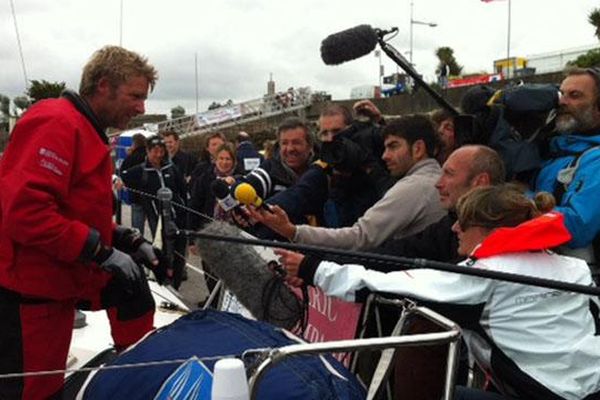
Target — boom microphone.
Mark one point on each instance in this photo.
(245, 273)
(348, 45)
(222, 193)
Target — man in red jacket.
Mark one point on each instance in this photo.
(59, 248)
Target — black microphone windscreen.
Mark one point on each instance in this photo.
(348, 45)
(220, 188)
(260, 180)
(245, 273)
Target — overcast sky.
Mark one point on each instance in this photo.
(240, 42)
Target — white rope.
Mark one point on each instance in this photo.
(196, 269)
(136, 191)
(115, 367)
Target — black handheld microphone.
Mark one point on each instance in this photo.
(348, 45)
(169, 228)
(222, 193)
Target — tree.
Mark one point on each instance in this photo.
(214, 105)
(587, 60)
(21, 103)
(4, 112)
(177, 112)
(44, 90)
(446, 57)
(592, 57)
(594, 19)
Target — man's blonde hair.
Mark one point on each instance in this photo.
(117, 65)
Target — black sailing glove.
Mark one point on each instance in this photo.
(133, 243)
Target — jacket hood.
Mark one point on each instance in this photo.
(572, 143)
(541, 233)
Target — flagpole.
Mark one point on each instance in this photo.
(121, 26)
(508, 63)
(196, 75)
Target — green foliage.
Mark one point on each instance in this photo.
(445, 56)
(4, 106)
(177, 112)
(214, 105)
(21, 103)
(594, 19)
(44, 90)
(4, 113)
(592, 57)
(587, 60)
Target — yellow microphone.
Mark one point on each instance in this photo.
(246, 194)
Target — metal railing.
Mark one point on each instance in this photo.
(450, 337)
(235, 114)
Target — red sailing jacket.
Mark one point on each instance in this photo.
(55, 183)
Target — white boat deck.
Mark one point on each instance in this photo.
(92, 339)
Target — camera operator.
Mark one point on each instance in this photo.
(512, 122)
(353, 148)
(570, 171)
(444, 127)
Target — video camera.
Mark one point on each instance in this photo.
(357, 146)
(516, 121)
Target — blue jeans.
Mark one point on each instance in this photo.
(138, 217)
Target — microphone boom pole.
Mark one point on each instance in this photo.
(407, 263)
(410, 70)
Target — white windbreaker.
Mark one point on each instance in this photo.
(537, 343)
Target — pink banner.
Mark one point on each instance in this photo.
(331, 319)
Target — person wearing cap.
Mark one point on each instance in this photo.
(157, 172)
(248, 158)
(59, 247)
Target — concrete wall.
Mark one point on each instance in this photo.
(417, 102)
(420, 101)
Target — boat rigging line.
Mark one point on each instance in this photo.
(14, 15)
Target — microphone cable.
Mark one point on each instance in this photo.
(273, 294)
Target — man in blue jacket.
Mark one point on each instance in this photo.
(248, 157)
(571, 169)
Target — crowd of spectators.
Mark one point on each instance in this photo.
(405, 186)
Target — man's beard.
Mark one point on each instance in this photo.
(576, 120)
